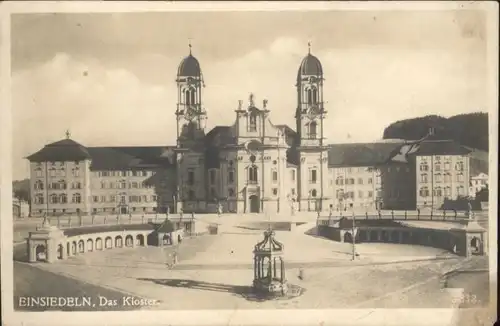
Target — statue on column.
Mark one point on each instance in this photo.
(46, 221)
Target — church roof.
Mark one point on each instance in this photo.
(189, 67)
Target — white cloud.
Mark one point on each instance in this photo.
(366, 89)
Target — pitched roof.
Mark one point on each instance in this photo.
(116, 158)
(63, 150)
(360, 154)
(441, 147)
(105, 158)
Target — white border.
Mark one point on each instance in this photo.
(226, 317)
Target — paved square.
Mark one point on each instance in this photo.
(215, 272)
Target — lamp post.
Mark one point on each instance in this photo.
(353, 235)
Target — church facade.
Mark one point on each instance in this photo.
(253, 165)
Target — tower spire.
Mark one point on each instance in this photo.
(309, 47)
(190, 46)
(68, 135)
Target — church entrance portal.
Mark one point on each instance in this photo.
(254, 204)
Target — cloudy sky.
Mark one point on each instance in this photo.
(110, 78)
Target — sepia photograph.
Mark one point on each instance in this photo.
(260, 160)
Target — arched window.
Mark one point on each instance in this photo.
(312, 130)
(39, 199)
(424, 166)
(187, 97)
(252, 174)
(314, 193)
(193, 96)
(309, 96)
(54, 199)
(63, 199)
(424, 192)
(77, 198)
(314, 96)
(252, 126)
(39, 185)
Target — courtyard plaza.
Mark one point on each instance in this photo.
(215, 272)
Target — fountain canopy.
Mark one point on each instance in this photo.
(269, 266)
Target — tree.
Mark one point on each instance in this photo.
(466, 129)
(22, 194)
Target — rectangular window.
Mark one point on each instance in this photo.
(212, 176)
(360, 181)
(275, 176)
(370, 194)
(230, 176)
(96, 199)
(312, 176)
(190, 175)
(293, 191)
(360, 194)
(293, 174)
(370, 181)
(103, 199)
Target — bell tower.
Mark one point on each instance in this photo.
(191, 115)
(190, 155)
(311, 147)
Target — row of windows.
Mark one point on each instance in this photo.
(439, 192)
(353, 170)
(424, 178)
(58, 199)
(350, 181)
(57, 172)
(60, 185)
(459, 166)
(340, 194)
(77, 198)
(131, 173)
(125, 185)
(55, 164)
(122, 199)
(441, 158)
